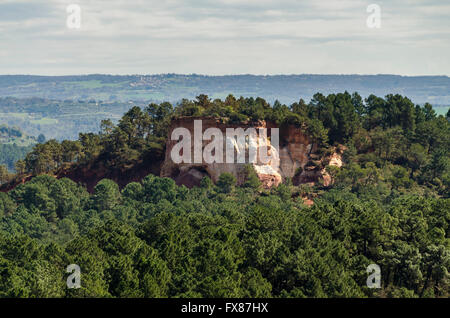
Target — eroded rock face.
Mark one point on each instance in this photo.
(295, 149)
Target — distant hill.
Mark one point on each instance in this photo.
(174, 87)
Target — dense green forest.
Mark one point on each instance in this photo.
(388, 205)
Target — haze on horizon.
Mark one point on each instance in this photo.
(223, 37)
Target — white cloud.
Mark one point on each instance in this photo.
(225, 37)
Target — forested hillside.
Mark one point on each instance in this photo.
(388, 205)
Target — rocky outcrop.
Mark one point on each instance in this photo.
(294, 159)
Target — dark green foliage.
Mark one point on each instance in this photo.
(7, 205)
(226, 182)
(106, 195)
(161, 240)
(251, 178)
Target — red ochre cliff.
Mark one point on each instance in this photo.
(295, 158)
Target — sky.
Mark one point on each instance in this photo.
(223, 37)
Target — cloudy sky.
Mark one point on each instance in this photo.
(225, 37)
